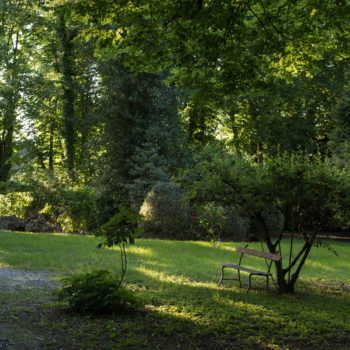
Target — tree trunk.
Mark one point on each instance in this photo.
(9, 121)
(287, 285)
(68, 95)
(51, 144)
(6, 149)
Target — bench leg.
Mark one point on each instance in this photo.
(222, 275)
(267, 283)
(239, 278)
(249, 283)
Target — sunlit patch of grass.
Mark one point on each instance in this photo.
(140, 251)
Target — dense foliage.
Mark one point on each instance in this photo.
(102, 101)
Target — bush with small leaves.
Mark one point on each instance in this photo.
(73, 206)
(236, 226)
(15, 203)
(166, 213)
(97, 292)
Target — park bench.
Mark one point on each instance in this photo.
(239, 268)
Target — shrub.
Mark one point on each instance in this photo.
(212, 218)
(96, 292)
(15, 203)
(78, 205)
(218, 222)
(166, 214)
(73, 206)
(236, 226)
(105, 209)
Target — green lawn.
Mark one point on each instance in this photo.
(184, 307)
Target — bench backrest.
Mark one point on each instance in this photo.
(258, 253)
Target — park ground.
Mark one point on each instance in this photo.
(184, 308)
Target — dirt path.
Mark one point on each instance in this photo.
(20, 292)
(12, 279)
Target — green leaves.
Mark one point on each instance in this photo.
(212, 218)
(234, 44)
(121, 228)
(96, 292)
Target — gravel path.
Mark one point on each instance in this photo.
(13, 282)
(12, 279)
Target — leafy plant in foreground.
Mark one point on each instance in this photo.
(96, 292)
(101, 291)
(120, 230)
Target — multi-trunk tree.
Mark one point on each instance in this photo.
(306, 191)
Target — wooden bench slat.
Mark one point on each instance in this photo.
(246, 269)
(258, 253)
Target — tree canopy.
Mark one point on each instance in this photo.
(218, 49)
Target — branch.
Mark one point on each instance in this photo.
(256, 16)
(123, 262)
(296, 273)
(289, 3)
(306, 244)
(271, 22)
(229, 21)
(166, 23)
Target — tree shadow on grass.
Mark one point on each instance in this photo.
(193, 317)
(305, 320)
(52, 326)
(313, 317)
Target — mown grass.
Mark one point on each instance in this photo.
(184, 306)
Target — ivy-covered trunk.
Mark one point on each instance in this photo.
(6, 142)
(68, 93)
(11, 96)
(6, 146)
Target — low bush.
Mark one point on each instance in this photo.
(15, 203)
(97, 292)
(218, 222)
(166, 213)
(77, 207)
(73, 206)
(212, 218)
(237, 227)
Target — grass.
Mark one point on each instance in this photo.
(184, 307)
